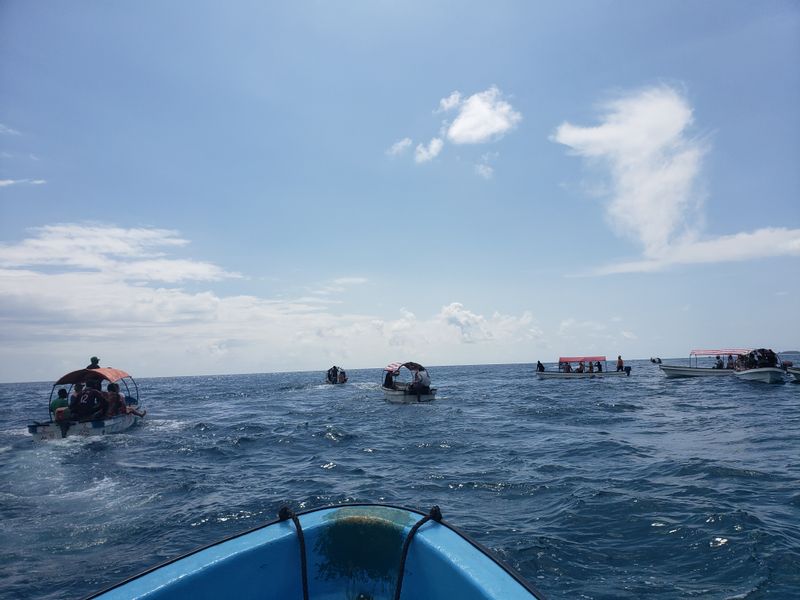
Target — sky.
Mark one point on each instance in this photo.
(202, 187)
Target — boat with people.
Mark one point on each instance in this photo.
(83, 409)
(336, 375)
(761, 365)
(721, 367)
(587, 367)
(405, 392)
(358, 551)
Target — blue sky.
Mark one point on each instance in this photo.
(195, 187)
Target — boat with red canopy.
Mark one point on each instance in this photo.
(63, 424)
(405, 392)
(727, 356)
(586, 367)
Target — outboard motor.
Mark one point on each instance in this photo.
(628, 371)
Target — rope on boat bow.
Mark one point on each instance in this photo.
(284, 514)
(434, 515)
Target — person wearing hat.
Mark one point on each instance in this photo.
(95, 363)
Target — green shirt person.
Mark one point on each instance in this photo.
(60, 401)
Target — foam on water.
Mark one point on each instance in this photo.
(618, 488)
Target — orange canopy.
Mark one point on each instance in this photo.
(83, 375)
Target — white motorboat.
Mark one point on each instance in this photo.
(673, 371)
(762, 365)
(794, 372)
(763, 375)
(63, 424)
(589, 367)
(412, 392)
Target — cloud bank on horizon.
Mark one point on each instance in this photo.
(644, 142)
(480, 118)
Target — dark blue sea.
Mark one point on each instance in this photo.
(618, 488)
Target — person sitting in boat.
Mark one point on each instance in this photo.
(567, 367)
(731, 363)
(60, 401)
(117, 404)
(591, 367)
(421, 383)
(718, 364)
(620, 363)
(91, 404)
(388, 381)
(539, 366)
(598, 367)
(342, 376)
(580, 368)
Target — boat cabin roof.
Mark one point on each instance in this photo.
(82, 375)
(394, 367)
(568, 359)
(721, 352)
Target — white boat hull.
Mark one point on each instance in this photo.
(55, 431)
(763, 375)
(794, 372)
(402, 396)
(584, 375)
(677, 371)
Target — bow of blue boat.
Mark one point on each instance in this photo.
(358, 552)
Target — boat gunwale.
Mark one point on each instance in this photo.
(477, 545)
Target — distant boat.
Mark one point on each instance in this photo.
(673, 371)
(794, 372)
(399, 392)
(366, 551)
(336, 375)
(62, 425)
(565, 370)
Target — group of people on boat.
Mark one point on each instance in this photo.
(336, 375)
(89, 402)
(420, 385)
(588, 367)
(755, 359)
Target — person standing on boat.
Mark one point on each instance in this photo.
(598, 367)
(620, 363)
(342, 376)
(94, 363)
(539, 366)
(388, 381)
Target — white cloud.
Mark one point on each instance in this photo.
(654, 165)
(482, 117)
(115, 252)
(484, 170)
(424, 154)
(449, 103)
(399, 147)
(5, 130)
(8, 182)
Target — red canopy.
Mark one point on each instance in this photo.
(83, 375)
(581, 358)
(721, 352)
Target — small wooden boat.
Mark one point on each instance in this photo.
(357, 552)
(62, 425)
(673, 371)
(399, 392)
(565, 370)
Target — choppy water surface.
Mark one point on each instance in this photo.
(619, 488)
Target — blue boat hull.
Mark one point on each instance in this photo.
(352, 552)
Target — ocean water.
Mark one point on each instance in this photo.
(619, 488)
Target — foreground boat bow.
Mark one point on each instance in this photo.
(356, 552)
